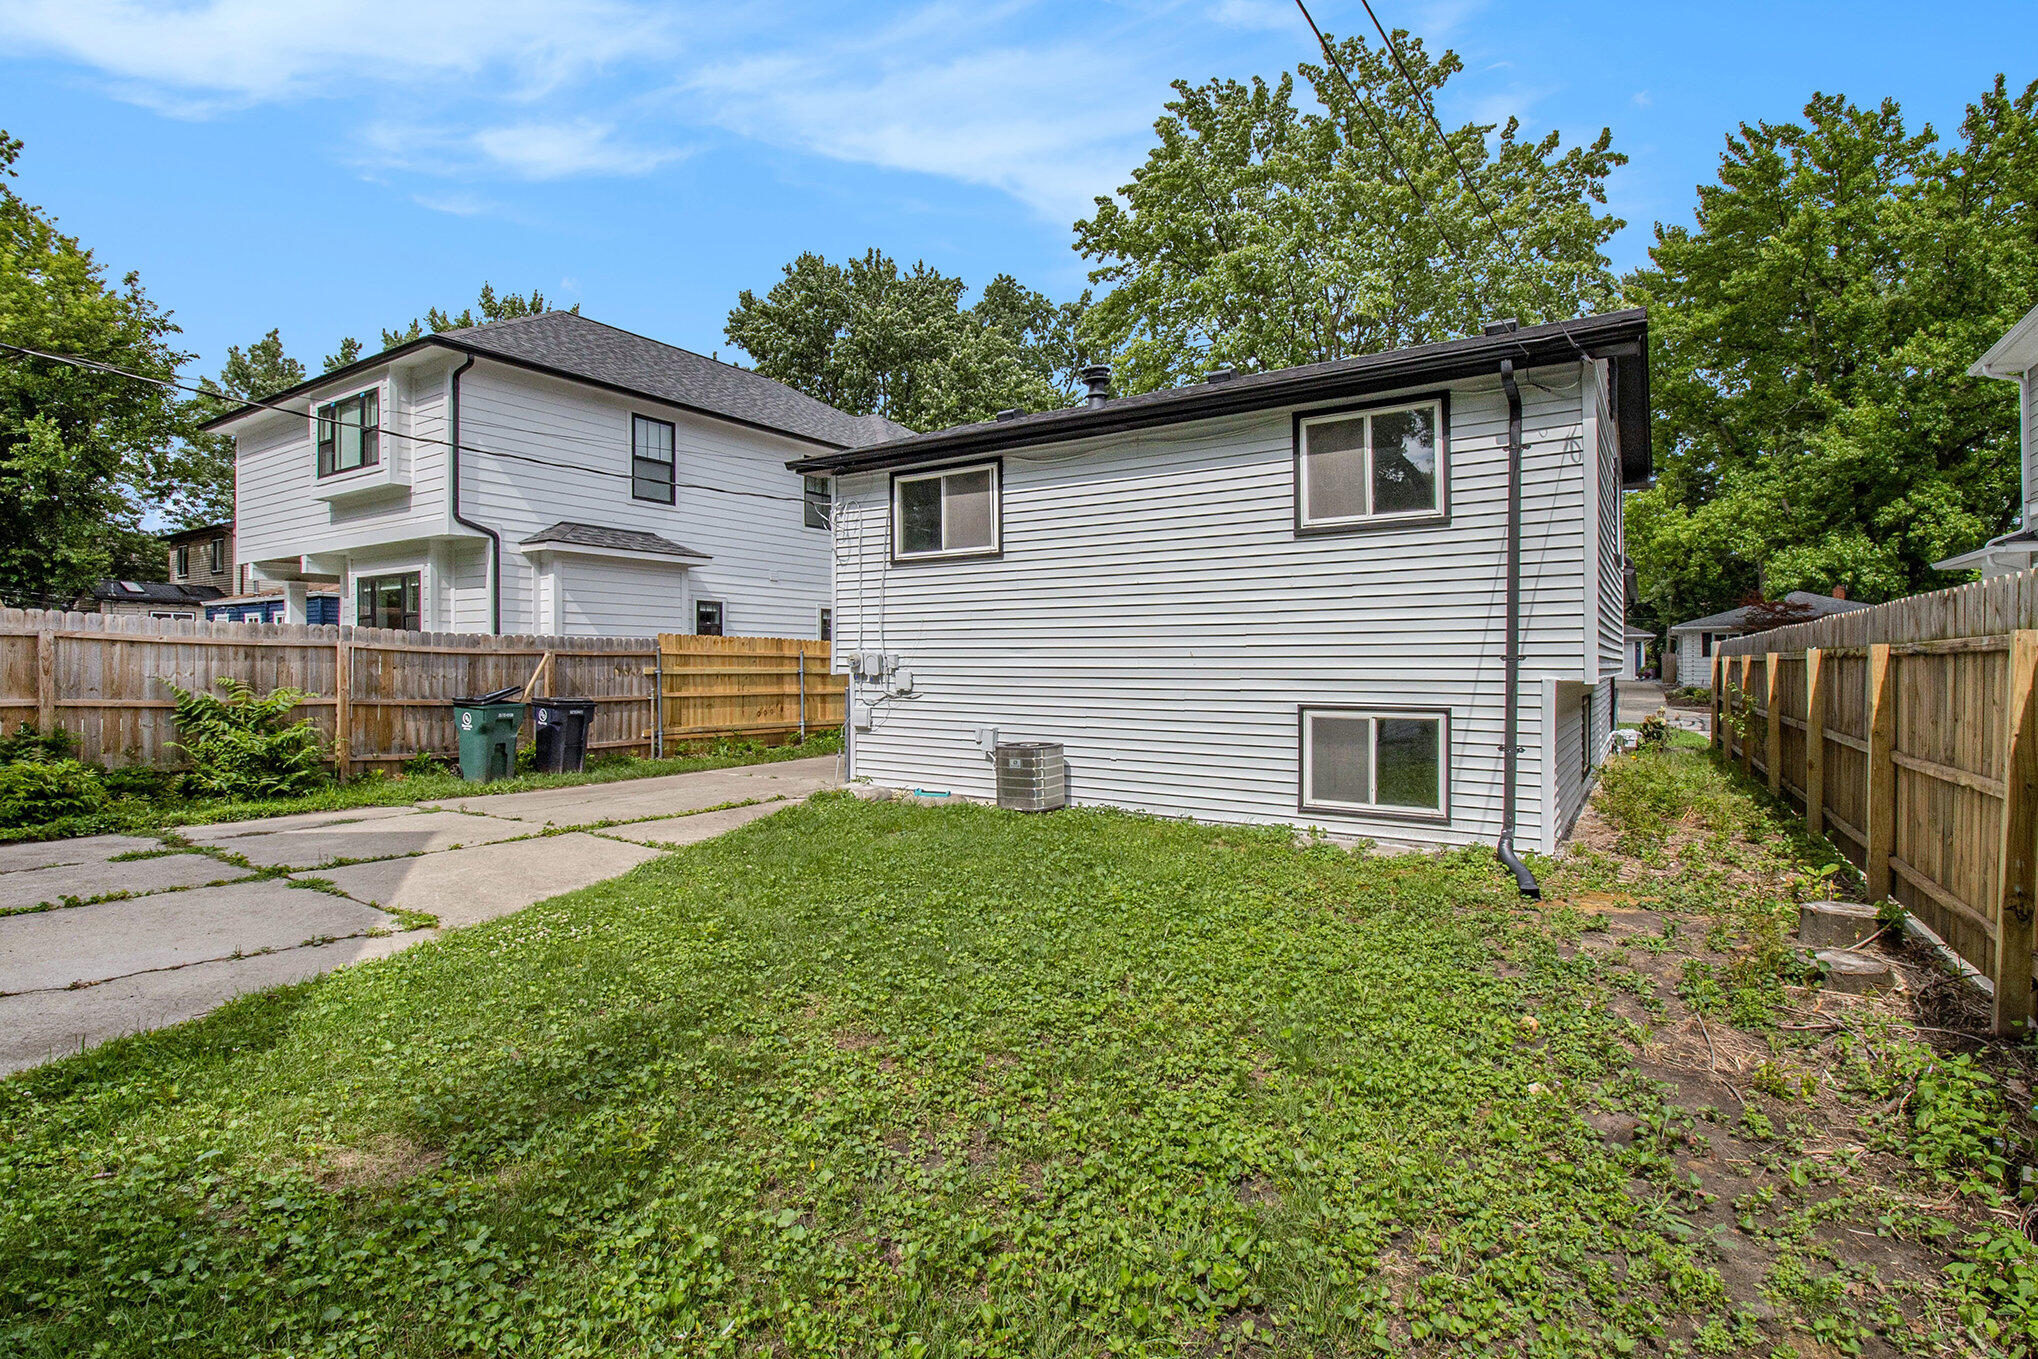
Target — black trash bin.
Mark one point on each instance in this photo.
(562, 734)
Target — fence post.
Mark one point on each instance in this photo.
(1719, 679)
(343, 707)
(1747, 659)
(2018, 853)
(46, 675)
(803, 693)
(1881, 828)
(1814, 742)
(1774, 754)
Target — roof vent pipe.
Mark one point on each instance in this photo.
(1097, 377)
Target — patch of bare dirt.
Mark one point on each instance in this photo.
(387, 1161)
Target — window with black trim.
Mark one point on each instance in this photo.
(215, 553)
(1387, 761)
(1585, 741)
(350, 432)
(707, 618)
(651, 459)
(182, 558)
(388, 601)
(1705, 644)
(950, 513)
(820, 500)
(827, 625)
(1381, 465)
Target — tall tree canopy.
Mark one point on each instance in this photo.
(489, 306)
(1262, 235)
(867, 337)
(192, 480)
(1815, 423)
(70, 439)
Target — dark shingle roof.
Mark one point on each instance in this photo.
(154, 592)
(612, 540)
(1807, 605)
(566, 342)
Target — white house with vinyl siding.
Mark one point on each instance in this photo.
(1273, 598)
(606, 484)
(2014, 358)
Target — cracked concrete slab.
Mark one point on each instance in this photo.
(87, 849)
(467, 886)
(31, 887)
(670, 795)
(38, 1027)
(215, 831)
(674, 831)
(54, 949)
(376, 838)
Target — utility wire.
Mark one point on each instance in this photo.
(1380, 133)
(94, 365)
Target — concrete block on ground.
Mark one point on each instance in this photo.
(1835, 924)
(674, 831)
(44, 1025)
(467, 886)
(54, 949)
(32, 887)
(1854, 973)
(375, 838)
(84, 850)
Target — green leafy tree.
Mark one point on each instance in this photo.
(192, 480)
(489, 306)
(868, 337)
(72, 440)
(1815, 423)
(1262, 235)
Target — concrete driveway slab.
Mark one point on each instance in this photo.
(216, 831)
(467, 886)
(671, 795)
(32, 887)
(38, 1027)
(89, 849)
(55, 949)
(378, 838)
(674, 831)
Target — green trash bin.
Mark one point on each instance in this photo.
(488, 727)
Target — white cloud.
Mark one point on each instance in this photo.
(1642, 99)
(198, 58)
(457, 204)
(1273, 15)
(541, 150)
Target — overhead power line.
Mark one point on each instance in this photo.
(113, 370)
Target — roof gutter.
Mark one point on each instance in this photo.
(1510, 751)
(453, 499)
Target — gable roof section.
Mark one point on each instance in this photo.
(1621, 337)
(1820, 606)
(568, 345)
(568, 534)
(154, 592)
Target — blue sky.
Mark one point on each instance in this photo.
(331, 168)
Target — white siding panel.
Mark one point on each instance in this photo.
(1155, 611)
(607, 598)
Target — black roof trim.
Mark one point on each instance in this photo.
(1620, 336)
(570, 534)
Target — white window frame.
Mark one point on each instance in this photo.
(995, 548)
(1439, 510)
(1306, 715)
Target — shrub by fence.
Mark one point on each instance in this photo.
(1908, 735)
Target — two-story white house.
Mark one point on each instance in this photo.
(548, 474)
(2014, 358)
(1383, 596)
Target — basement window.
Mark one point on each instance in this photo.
(950, 513)
(1367, 467)
(1375, 761)
(350, 433)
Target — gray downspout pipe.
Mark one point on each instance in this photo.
(494, 538)
(1523, 879)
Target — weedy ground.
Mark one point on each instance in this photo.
(870, 1078)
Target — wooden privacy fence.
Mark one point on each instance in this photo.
(1908, 735)
(763, 687)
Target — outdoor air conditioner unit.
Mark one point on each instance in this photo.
(1031, 776)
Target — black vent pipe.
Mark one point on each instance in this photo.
(494, 538)
(1510, 725)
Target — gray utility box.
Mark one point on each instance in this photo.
(1030, 776)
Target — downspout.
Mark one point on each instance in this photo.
(1509, 749)
(494, 538)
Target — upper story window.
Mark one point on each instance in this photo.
(819, 500)
(1371, 467)
(651, 460)
(950, 513)
(350, 432)
(215, 555)
(181, 561)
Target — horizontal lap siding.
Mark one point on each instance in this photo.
(1155, 611)
(600, 598)
(769, 570)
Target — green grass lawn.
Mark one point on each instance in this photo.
(869, 1078)
(136, 815)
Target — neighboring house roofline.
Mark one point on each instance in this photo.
(1738, 619)
(451, 340)
(201, 531)
(2012, 356)
(1620, 336)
